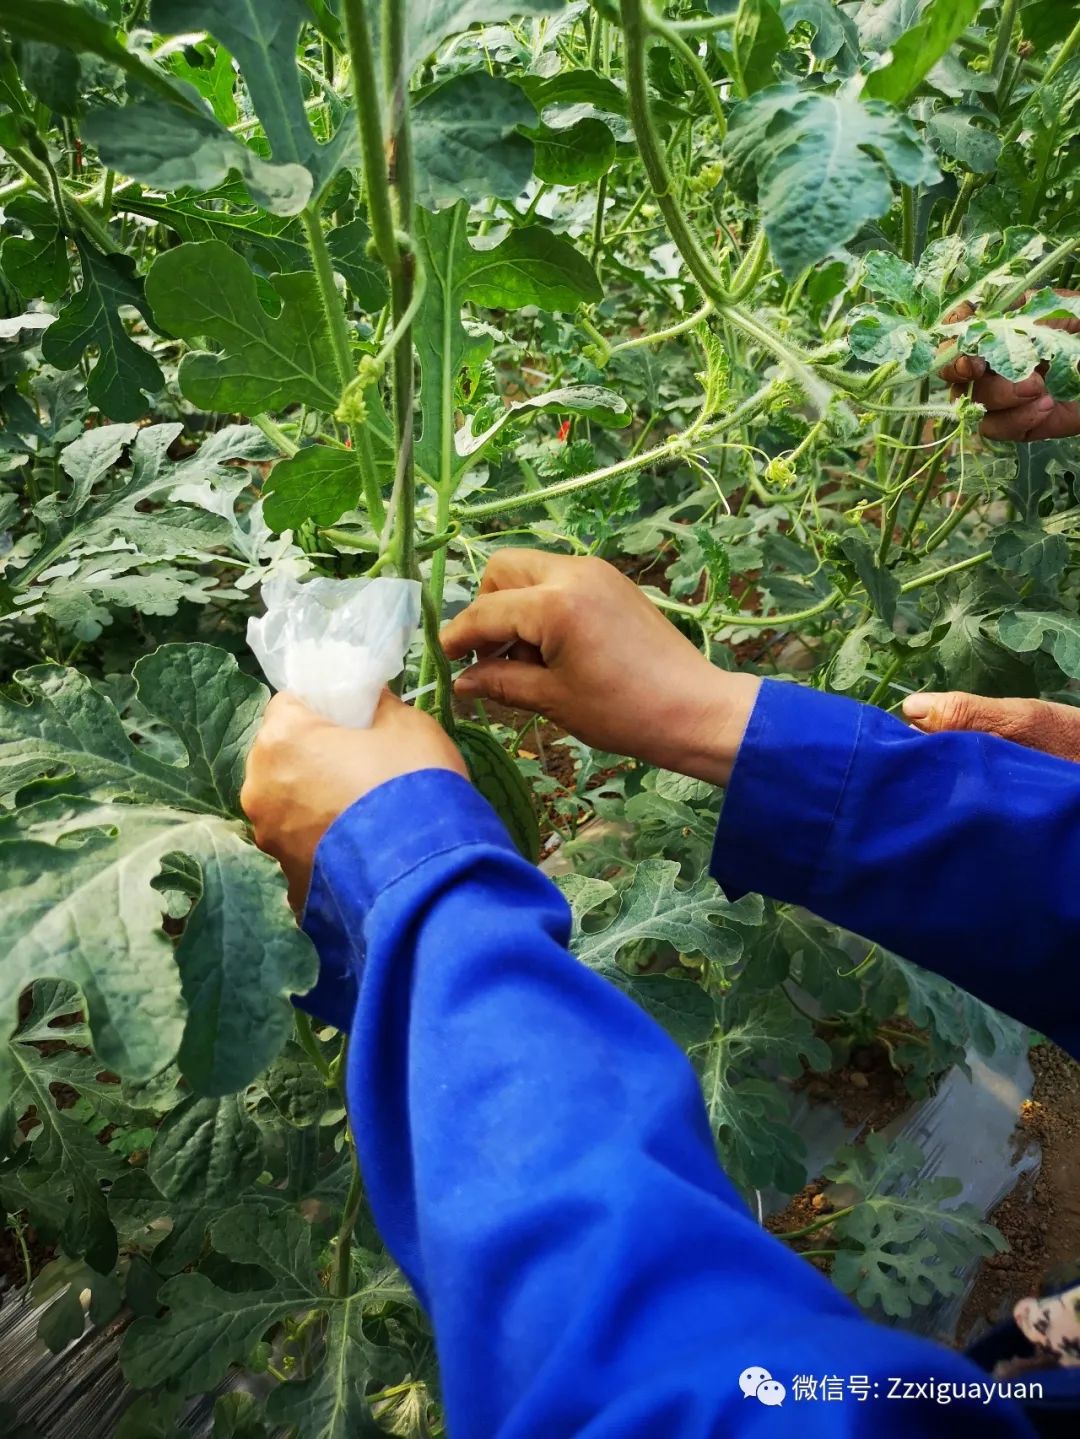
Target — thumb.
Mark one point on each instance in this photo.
(1038, 724)
(955, 711)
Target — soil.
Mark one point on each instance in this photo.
(869, 1092)
(12, 1262)
(1041, 1217)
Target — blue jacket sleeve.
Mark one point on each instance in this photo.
(538, 1158)
(960, 852)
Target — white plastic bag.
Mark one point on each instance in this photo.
(335, 643)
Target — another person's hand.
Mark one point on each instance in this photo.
(303, 772)
(591, 652)
(1021, 412)
(1038, 724)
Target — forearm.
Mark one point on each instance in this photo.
(959, 852)
(537, 1156)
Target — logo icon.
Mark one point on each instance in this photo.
(759, 1384)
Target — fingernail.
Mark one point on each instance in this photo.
(1046, 404)
(464, 684)
(918, 707)
(963, 368)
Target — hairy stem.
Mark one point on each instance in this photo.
(680, 444)
(822, 1223)
(339, 338)
(635, 39)
(341, 1282)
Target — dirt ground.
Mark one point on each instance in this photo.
(1041, 1217)
(868, 1091)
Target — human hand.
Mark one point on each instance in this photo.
(589, 650)
(303, 771)
(1022, 411)
(1038, 724)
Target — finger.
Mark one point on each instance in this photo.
(994, 392)
(1019, 423)
(1062, 423)
(962, 312)
(1052, 728)
(516, 569)
(521, 686)
(495, 620)
(964, 370)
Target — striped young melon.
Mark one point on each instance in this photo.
(502, 784)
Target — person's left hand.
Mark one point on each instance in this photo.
(1038, 724)
(303, 772)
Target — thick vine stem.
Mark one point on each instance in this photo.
(696, 438)
(366, 94)
(276, 435)
(636, 25)
(635, 35)
(339, 338)
(444, 691)
(397, 258)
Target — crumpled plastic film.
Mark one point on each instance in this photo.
(335, 643)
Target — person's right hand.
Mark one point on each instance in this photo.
(1038, 724)
(591, 652)
(1022, 412)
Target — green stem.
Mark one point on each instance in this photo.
(702, 27)
(310, 1045)
(342, 1270)
(635, 40)
(658, 337)
(276, 435)
(882, 687)
(934, 575)
(338, 329)
(907, 243)
(402, 280)
(366, 98)
(436, 656)
(693, 61)
(1069, 47)
(678, 445)
(328, 295)
(1003, 41)
(818, 391)
(822, 1223)
(773, 622)
(950, 523)
(963, 200)
(749, 272)
(598, 223)
(919, 505)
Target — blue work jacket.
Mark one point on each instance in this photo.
(536, 1149)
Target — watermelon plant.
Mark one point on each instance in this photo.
(331, 287)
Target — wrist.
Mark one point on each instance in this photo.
(711, 725)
